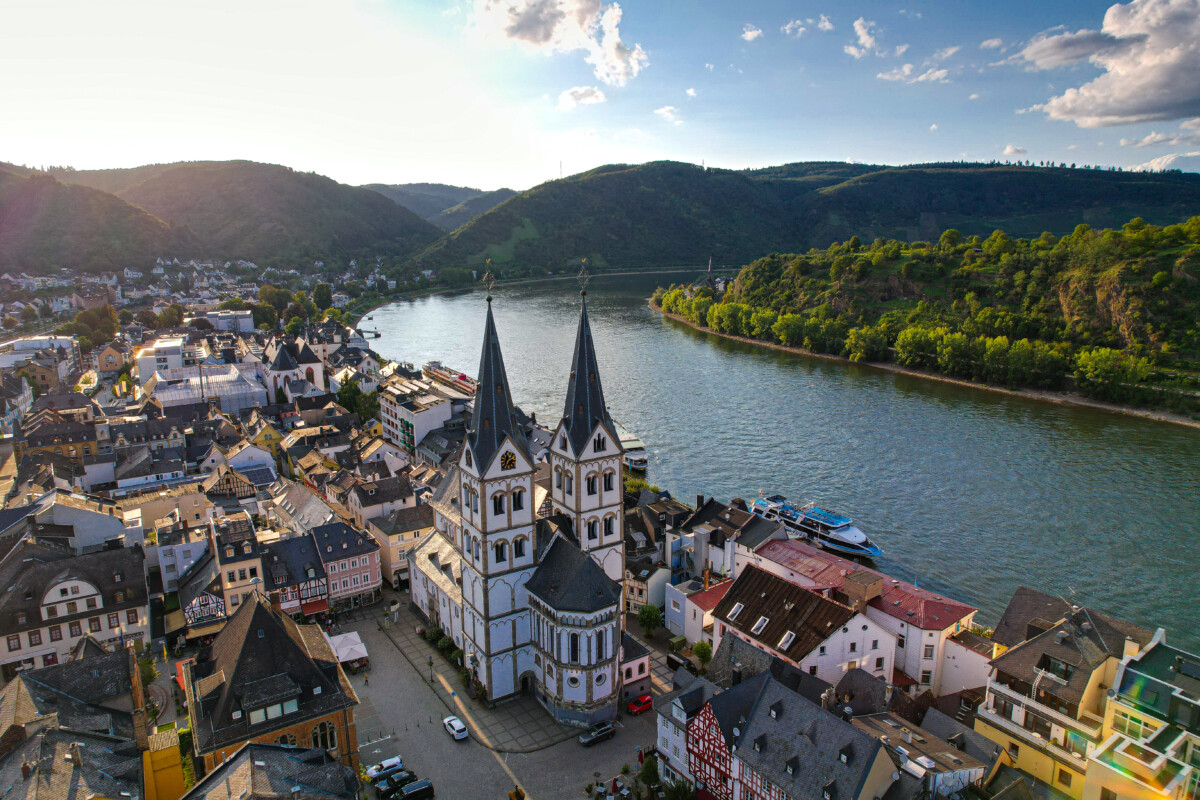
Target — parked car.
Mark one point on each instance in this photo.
(597, 733)
(639, 705)
(383, 775)
(387, 763)
(393, 783)
(675, 661)
(454, 726)
(420, 790)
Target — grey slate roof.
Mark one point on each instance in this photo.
(1025, 606)
(965, 739)
(109, 766)
(569, 580)
(269, 771)
(493, 419)
(287, 562)
(585, 407)
(338, 540)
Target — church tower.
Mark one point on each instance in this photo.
(496, 496)
(585, 461)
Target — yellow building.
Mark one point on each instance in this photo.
(264, 434)
(162, 767)
(1151, 746)
(1046, 697)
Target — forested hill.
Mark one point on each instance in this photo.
(445, 206)
(45, 224)
(1117, 309)
(264, 212)
(667, 213)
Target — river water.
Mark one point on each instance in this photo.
(969, 492)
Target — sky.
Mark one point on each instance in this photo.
(491, 93)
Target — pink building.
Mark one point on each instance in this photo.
(351, 561)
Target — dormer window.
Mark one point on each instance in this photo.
(229, 552)
(737, 609)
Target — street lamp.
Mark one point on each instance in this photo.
(431, 669)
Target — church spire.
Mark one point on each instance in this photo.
(585, 406)
(493, 417)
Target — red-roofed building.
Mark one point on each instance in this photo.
(689, 608)
(922, 621)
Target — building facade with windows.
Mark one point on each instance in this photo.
(351, 561)
(533, 602)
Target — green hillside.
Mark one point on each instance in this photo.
(1117, 310)
(45, 225)
(265, 213)
(468, 209)
(669, 213)
(426, 200)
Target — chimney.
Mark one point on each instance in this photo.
(736, 677)
(73, 754)
(887, 694)
(906, 734)
(847, 713)
(699, 500)
(827, 698)
(26, 770)
(707, 577)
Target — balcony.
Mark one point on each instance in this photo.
(1035, 740)
(1088, 729)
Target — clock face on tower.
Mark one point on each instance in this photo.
(508, 461)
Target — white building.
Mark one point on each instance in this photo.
(410, 408)
(533, 612)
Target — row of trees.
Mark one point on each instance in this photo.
(1101, 372)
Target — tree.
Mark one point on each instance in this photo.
(322, 296)
(10, 323)
(678, 790)
(234, 304)
(29, 314)
(649, 771)
(703, 652)
(280, 397)
(650, 619)
(148, 318)
(125, 316)
(273, 296)
(171, 317)
(294, 326)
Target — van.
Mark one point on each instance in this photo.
(675, 661)
(419, 790)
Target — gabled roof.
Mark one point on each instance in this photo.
(567, 579)
(788, 608)
(278, 772)
(585, 407)
(1026, 606)
(493, 420)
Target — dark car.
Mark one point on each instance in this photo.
(384, 774)
(675, 661)
(597, 733)
(416, 791)
(392, 784)
(640, 704)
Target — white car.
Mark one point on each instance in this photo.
(383, 766)
(454, 726)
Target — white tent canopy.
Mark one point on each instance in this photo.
(348, 646)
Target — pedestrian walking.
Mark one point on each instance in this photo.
(366, 680)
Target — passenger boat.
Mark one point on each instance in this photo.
(824, 528)
(635, 456)
(436, 371)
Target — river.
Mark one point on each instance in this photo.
(969, 492)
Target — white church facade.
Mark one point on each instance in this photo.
(534, 602)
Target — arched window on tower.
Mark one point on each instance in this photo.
(501, 549)
(608, 481)
(558, 478)
(601, 443)
(590, 483)
(324, 736)
(567, 484)
(573, 648)
(593, 529)
(600, 645)
(608, 526)
(519, 548)
(518, 500)
(497, 504)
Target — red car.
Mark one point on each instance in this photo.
(639, 704)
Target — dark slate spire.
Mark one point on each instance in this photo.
(585, 398)
(493, 418)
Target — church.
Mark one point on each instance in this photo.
(524, 574)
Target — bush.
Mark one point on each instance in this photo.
(445, 644)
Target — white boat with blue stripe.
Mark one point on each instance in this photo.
(831, 531)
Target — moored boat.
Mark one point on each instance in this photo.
(634, 448)
(436, 371)
(826, 529)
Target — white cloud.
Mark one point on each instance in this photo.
(690, 92)
(901, 49)
(933, 127)
(1072, 147)
(1014, 150)
(580, 96)
(973, 96)
(824, 24)
(1191, 124)
(1188, 162)
(709, 67)
(670, 114)
(566, 26)
(908, 74)
(1172, 139)
(945, 52)
(865, 33)
(1149, 51)
(750, 33)
(991, 44)
(794, 28)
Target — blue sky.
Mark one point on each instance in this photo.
(499, 92)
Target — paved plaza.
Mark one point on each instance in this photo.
(516, 743)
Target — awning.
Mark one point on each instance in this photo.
(179, 673)
(315, 607)
(348, 646)
(900, 679)
(206, 630)
(174, 621)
